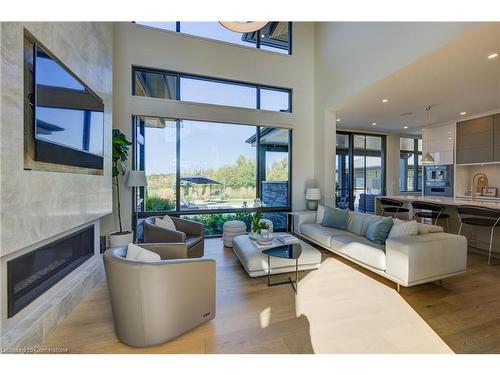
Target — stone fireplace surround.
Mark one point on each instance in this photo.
(38, 207)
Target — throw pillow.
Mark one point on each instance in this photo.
(403, 228)
(166, 222)
(335, 218)
(428, 228)
(379, 230)
(320, 214)
(369, 219)
(139, 254)
(355, 222)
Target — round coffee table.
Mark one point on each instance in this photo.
(292, 251)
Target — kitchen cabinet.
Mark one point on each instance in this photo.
(439, 142)
(476, 140)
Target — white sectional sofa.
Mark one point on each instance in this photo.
(409, 260)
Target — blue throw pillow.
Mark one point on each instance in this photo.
(335, 218)
(379, 230)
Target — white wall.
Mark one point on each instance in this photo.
(138, 45)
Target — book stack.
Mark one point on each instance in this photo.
(287, 239)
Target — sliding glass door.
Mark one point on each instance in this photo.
(364, 155)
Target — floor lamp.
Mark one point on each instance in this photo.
(136, 179)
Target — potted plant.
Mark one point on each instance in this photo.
(120, 155)
(257, 224)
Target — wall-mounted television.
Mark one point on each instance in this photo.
(68, 115)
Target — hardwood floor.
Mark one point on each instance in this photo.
(340, 308)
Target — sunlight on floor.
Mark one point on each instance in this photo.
(265, 317)
(349, 312)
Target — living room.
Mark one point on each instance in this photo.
(277, 187)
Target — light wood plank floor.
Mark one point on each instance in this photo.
(340, 308)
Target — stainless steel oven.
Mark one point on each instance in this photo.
(438, 180)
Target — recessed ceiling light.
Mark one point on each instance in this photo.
(463, 113)
(385, 100)
(374, 123)
(338, 120)
(405, 127)
(492, 56)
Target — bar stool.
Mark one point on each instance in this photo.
(433, 211)
(393, 207)
(479, 216)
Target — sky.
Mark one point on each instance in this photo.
(203, 145)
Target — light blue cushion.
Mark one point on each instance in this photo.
(335, 218)
(355, 222)
(379, 230)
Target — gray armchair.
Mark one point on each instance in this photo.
(154, 302)
(189, 232)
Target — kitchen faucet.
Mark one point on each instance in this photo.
(472, 192)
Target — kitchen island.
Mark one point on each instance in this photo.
(478, 237)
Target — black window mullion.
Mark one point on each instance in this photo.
(178, 26)
(290, 38)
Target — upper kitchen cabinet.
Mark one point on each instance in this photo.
(439, 142)
(476, 140)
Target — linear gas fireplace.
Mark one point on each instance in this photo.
(31, 274)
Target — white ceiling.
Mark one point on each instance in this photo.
(454, 78)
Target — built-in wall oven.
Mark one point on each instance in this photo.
(438, 180)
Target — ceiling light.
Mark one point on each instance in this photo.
(492, 56)
(405, 127)
(374, 123)
(244, 26)
(385, 100)
(463, 113)
(338, 120)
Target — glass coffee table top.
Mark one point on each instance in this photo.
(285, 251)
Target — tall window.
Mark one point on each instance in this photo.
(410, 164)
(212, 172)
(275, 36)
(160, 84)
(360, 172)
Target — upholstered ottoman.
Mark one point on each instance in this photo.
(255, 263)
(232, 229)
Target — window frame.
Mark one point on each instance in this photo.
(416, 153)
(350, 161)
(258, 87)
(138, 163)
(255, 45)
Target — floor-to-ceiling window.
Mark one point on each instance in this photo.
(212, 172)
(360, 171)
(410, 164)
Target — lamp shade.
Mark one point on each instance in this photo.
(427, 159)
(136, 179)
(313, 194)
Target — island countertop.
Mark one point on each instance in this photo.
(448, 201)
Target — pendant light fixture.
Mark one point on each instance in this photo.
(244, 26)
(427, 158)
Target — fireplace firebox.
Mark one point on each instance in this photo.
(32, 274)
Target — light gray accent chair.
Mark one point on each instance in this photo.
(188, 232)
(154, 302)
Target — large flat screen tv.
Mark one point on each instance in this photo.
(69, 116)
